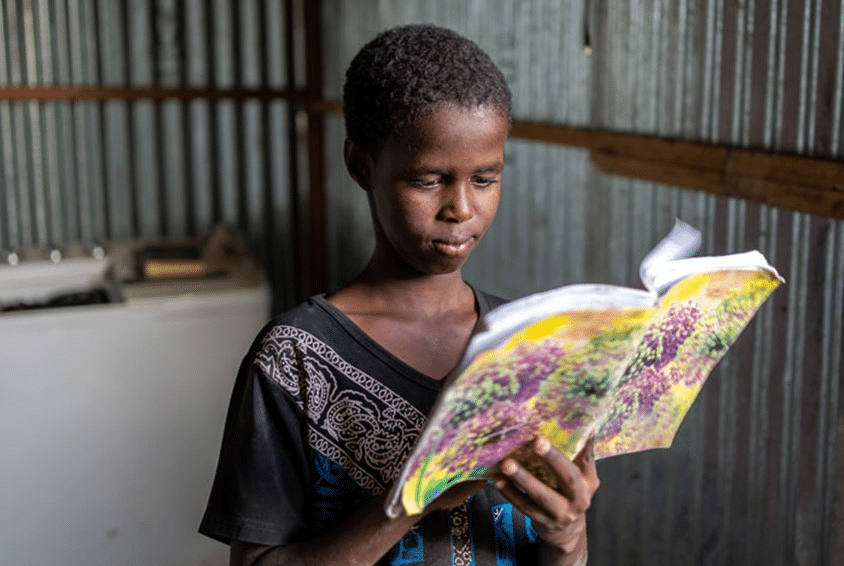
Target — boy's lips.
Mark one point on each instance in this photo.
(454, 247)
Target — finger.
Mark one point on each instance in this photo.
(574, 483)
(586, 454)
(534, 497)
(585, 461)
(562, 528)
(521, 501)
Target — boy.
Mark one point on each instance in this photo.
(333, 395)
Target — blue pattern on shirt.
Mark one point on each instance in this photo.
(409, 550)
(335, 493)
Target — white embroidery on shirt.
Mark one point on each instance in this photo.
(462, 549)
(370, 431)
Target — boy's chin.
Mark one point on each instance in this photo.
(432, 268)
(443, 267)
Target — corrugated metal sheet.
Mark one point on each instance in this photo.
(88, 171)
(755, 474)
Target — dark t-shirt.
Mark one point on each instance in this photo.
(320, 421)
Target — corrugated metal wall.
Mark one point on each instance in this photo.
(755, 476)
(89, 171)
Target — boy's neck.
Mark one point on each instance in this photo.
(423, 320)
(404, 292)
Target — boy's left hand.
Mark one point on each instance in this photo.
(559, 516)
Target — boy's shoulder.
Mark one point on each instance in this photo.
(312, 315)
(307, 312)
(308, 317)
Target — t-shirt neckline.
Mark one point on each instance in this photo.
(365, 340)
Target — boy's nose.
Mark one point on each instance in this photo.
(457, 205)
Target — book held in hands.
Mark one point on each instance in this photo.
(618, 364)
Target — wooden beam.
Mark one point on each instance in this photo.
(318, 260)
(793, 182)
(826, 200)
(792, 169)
(102, 94)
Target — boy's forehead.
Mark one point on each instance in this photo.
(446, 120)
(480, 132)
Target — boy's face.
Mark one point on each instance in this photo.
(434, 188)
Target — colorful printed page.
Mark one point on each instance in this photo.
(697, 321)
(626, 375)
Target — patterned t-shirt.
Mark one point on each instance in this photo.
(320, 421)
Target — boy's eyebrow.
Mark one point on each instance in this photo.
(492, 168)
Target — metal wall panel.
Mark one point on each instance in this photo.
(88, 171)
(755, 474)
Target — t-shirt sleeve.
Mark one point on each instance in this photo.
(259, 490)
(485, 302)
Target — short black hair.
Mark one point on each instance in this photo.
(407, 70)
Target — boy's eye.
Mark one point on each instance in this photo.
(425, 183)
(484, 181)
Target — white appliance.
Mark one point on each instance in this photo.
(111, 415)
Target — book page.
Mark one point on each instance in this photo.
(552, 377)
(669, 273)
(697, 321)
(501, 323)
(682, 242)
(626, 375)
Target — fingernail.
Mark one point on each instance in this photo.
(542, 446)
(508, 467)
(499, 484)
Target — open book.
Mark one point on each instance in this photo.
(618, 364)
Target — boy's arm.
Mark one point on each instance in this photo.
(363, 538)
(558, 516)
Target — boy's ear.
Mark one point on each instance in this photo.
(357, 163)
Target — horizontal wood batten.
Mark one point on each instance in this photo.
(819, 200)
(697, 155)
(792, 182)
(102, 94)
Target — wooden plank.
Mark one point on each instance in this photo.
(797, 169)
(102, 94)
(787, 168)
(792, 182)
(699, 155)
(825, 201)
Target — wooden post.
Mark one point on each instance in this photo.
(318, 244)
